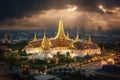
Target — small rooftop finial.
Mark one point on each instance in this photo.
(35, 37)
(89, 40)
(44, 41)
(68, 37)
(44, 36)
(77, 37)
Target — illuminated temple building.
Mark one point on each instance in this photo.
(62, 44)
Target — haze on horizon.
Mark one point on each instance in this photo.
(39, 14)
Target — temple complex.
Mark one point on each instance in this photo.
(62, 44)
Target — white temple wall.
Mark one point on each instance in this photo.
(32, 50)
(94, 51)
(79, 53)
(61, 50)
(64, 50)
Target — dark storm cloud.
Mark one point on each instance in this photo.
(110, 3)
(92, 5)
(21, 8)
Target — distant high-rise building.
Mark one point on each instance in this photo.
(100, 31)
(5, 38)
(82, 31)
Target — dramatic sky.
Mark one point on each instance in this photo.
(37, 14)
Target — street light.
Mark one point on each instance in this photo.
(25, 66)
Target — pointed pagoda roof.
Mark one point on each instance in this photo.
(89, 40)
(44, 41)
(77, 37)
(68, 37)
(35, 37)
(61, 33)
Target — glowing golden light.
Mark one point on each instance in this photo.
(74, 8)
(71, 8)
(102, 8)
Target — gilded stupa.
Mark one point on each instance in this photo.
(60, 33)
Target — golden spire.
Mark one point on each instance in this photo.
(77, 37)
(44, 37)
(35, 37)
(44, 41)
(67, 35)
(89, 40)
(60, 33)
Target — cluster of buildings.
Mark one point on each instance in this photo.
(60, 44)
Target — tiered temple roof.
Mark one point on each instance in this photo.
(62, 40)
(80, 46)
(35, 43)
